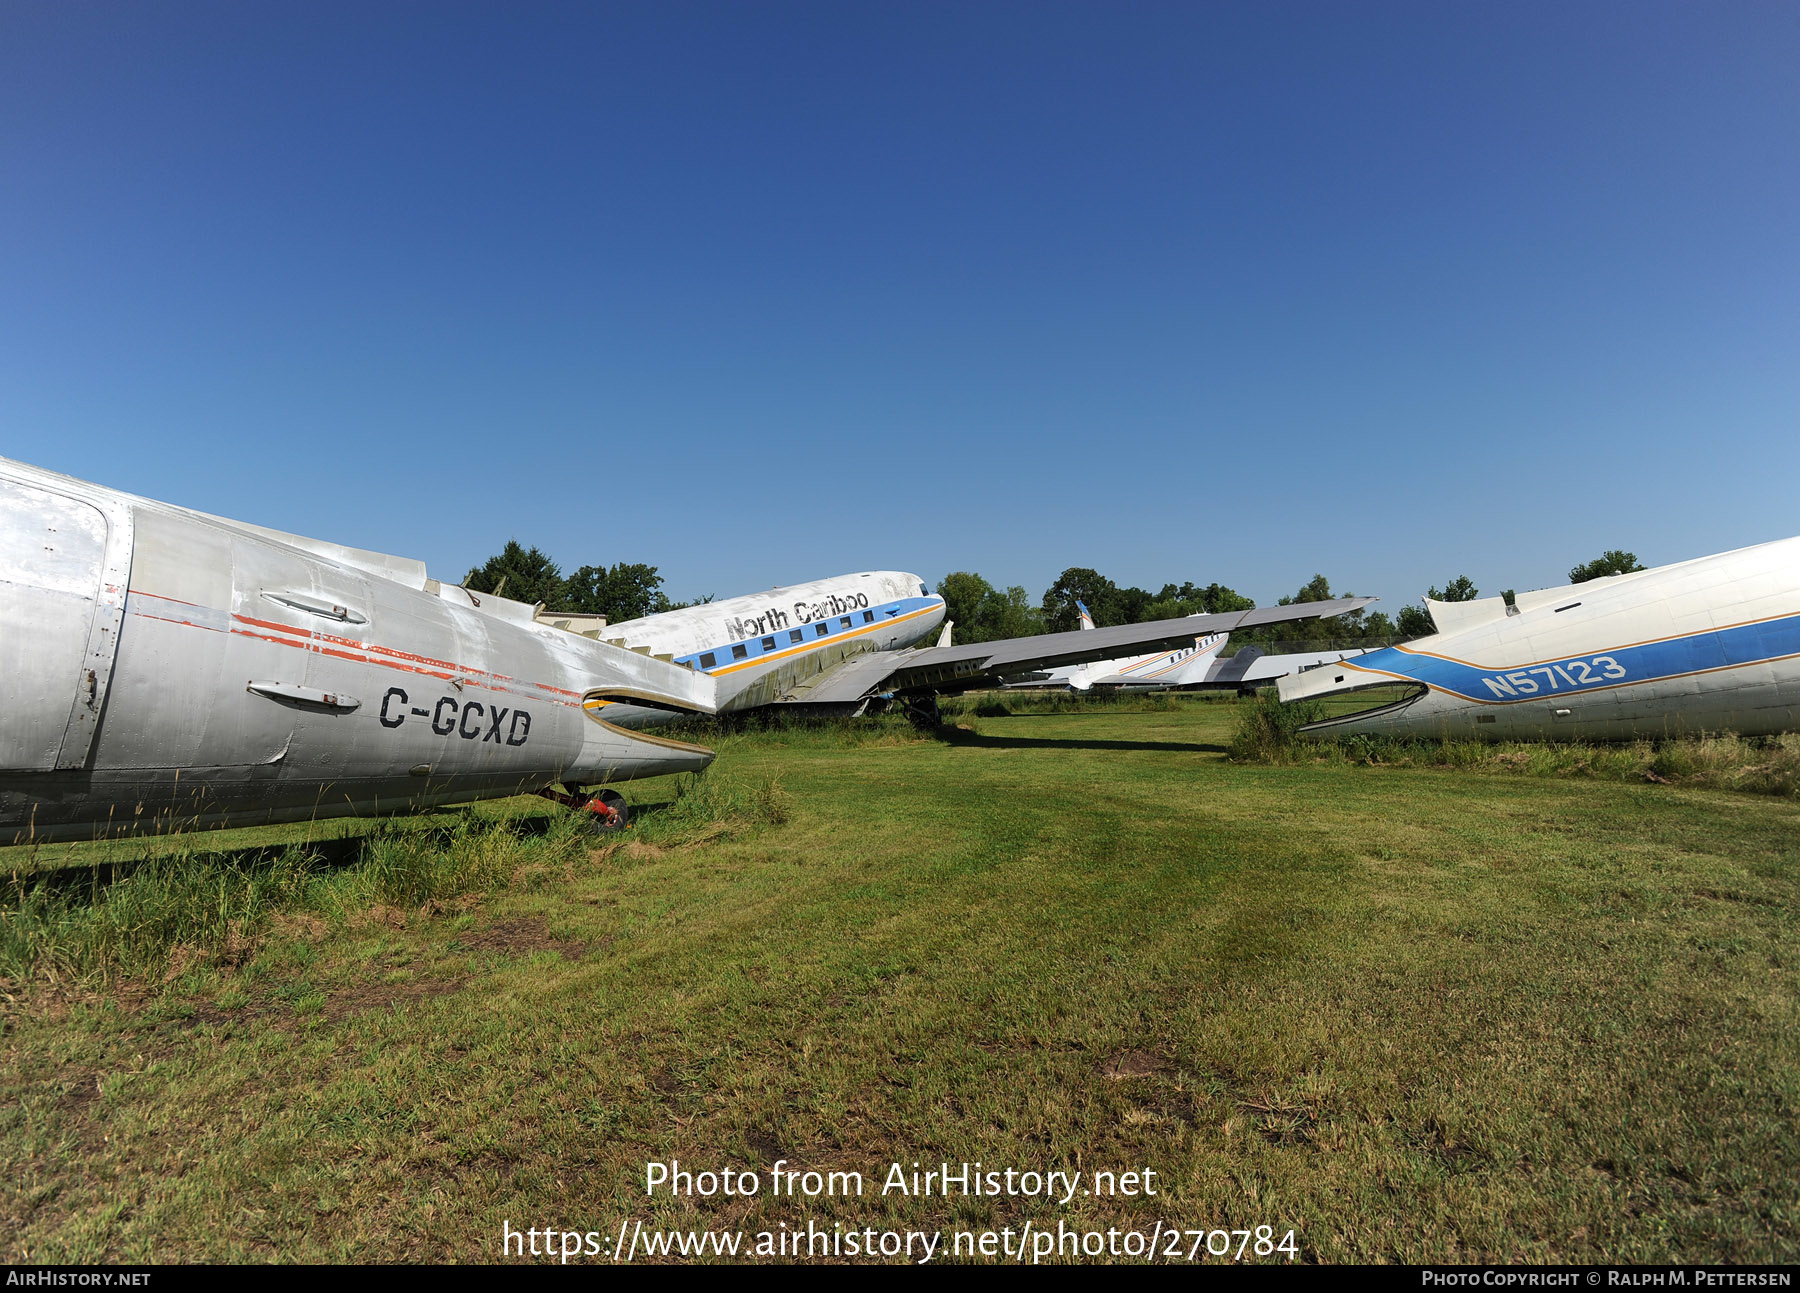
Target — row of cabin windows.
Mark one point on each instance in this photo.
(740, 650)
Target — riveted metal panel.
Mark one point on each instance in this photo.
(64, 562)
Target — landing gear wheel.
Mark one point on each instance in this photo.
(922, 711)
(605, 811)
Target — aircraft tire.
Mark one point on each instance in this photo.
(605, 812)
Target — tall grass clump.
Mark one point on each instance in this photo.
(1756, 765)
(1267, 731)
(709, 807)
(1048, 700)
(67, 925)
(404, 867)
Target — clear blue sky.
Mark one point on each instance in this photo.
(759, 292)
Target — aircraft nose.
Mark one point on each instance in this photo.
(696, 759)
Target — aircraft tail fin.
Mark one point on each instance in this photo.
(944, 637)
(1087, 619)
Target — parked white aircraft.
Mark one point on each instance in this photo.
(1194, 665)
(163, 669)
(1711, 644)
(1181, 666)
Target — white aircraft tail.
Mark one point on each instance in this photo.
(1087, 619)
(944, 637)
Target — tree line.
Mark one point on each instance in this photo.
(984, 613)
(625, 591)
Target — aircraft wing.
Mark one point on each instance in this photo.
(983, 664)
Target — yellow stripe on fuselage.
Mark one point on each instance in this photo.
(837, 635)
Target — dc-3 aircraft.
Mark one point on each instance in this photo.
(1187, 663)
(164, 669)
(1195, 665)
(1706, 645)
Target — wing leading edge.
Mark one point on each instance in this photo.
(983, 664)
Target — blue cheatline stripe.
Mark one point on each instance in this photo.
(1621, 666)
(885, 613)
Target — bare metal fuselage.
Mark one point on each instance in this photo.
(162, 669)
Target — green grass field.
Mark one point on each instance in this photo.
(1411, 1013)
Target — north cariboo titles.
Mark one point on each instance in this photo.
(803, 613)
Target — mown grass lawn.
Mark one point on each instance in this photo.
(1410, 1014)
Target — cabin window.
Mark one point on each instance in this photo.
(868, 617)
(796, 635)
(845, 621)
(768, 644)
(820, 630)
(739, 651)
(708, 660)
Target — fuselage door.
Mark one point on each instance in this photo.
(63, 570)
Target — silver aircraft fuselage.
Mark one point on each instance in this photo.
(1709, 645)
(163, 669)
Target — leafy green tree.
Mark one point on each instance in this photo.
(523, 574)
(1378, 627)
(1128, 606)
(622, 592)
(1350, 627)
(1189, 598)
(1356, 626)
(963, 592)
(1112, 604)
(1611, 562)
(984, 613)
(1078, 583)
(1316, 589)
(1013, 616)
(1414, 622)
(1217, 599)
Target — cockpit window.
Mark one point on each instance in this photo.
(924, 591)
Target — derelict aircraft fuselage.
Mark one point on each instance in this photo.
(1708, 645)
(166, 669)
